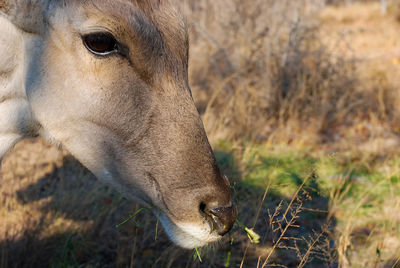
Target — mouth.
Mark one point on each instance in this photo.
(189, 235)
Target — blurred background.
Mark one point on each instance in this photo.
(300, 102)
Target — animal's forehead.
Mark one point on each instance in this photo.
(117, 9)
(156, 24)
(139, 15)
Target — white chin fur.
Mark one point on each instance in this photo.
(188, 235)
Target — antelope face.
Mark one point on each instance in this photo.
(108, 80)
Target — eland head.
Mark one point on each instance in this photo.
(109, 81)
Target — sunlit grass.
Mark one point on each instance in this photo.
(361, 193)
(337, 204)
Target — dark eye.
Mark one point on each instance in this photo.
(100, 43)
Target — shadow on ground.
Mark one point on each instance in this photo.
(66, 218)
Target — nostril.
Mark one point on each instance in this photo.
(202, 207)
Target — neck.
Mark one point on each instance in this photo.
(16, 120)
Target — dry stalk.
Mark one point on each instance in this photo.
(296, 194)
(287, 223)
(311, 246)
(397, 261)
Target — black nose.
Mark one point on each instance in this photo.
(223, 218)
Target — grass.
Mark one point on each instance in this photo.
(296, 72)
(351, 197)
(309, 209)
(131, 217)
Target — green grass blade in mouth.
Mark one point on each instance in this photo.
(197, 254)
(251, 234)
(228, 259)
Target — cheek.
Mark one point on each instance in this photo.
(75, 84)
(68, 57)
(73, 72)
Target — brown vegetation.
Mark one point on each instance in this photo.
(270, 70)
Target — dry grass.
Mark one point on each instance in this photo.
(257, 55)
(285, 72)
(55, 213)
(310, 211)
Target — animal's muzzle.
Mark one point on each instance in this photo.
(222, 218)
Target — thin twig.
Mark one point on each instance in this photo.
(308, 252)
(296, 194)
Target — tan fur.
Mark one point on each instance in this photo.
(129, 118)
